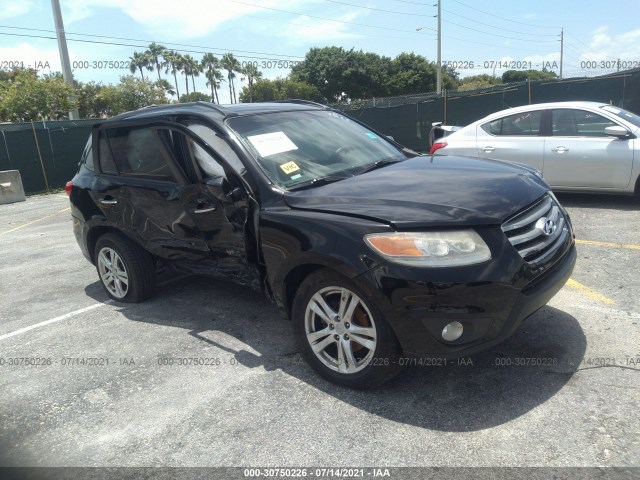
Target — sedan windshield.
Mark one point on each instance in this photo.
(623, 114)
(308, 147)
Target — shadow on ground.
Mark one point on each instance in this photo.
(481, 392)
(610, 202)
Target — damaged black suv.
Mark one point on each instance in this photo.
(374, 252)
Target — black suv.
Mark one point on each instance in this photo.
(375, 253)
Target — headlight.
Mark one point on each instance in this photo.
(430, 249)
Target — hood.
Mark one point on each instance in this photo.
(428, 191)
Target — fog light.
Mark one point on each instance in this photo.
(452, 331)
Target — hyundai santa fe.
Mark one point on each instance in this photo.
(375, 253)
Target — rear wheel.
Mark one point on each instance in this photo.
(126, 271)
(342, 332)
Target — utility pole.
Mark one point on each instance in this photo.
(439, 74)
(64, 54)
(561, 50)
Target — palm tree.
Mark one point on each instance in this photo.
(253, 74)
(138, 61)
(172, 62)
(194, 69)
(230, 63)
(214, 80)
(185, 68)
(211, 67)
(154, 52)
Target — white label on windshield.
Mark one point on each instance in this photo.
(272, 143)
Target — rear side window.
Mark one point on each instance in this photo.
(87, 155)
(107, 165)
(520, 124)
(134, 152)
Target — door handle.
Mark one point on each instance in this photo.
(206, 210)
(560, 149)
(488, 149)
(108, 201)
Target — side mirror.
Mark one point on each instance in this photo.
(617, 131)
(391, 138)
(221, 189)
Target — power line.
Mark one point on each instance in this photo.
(413, 3)
(322, 18)
(501, 28)
(149, 41)
(503, 18)
(380, 9)
(126, 45)
(498, 35)
(588, 47)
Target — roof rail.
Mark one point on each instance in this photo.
(213, 106)
(302, 102)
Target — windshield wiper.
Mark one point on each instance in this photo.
(379, 164)
(316, 182)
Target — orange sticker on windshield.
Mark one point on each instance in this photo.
(290, 168)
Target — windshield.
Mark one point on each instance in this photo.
(296, 148)
(623, 114)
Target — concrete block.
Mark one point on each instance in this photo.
(11, 189)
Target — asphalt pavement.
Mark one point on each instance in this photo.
(207, 373)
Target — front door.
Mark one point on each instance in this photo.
(579, 154)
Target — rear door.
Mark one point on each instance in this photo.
(514, 138)
(578, 154)
(140, 189)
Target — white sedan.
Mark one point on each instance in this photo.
(577, 146)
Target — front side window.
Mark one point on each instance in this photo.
(520, 124)
(208, 164)
(295, 148)
(568, 122)
(134, 152)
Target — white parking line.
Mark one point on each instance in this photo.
(54, 320)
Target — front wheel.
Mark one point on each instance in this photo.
(127, 272)
(342, 333)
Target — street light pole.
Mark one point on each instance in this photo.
(439, 74)
(64, 53)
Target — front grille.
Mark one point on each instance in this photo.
(526, 231)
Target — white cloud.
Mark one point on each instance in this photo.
(305, 29)
(605, 46)
(31, 56)
(185, 19)
(13, 8)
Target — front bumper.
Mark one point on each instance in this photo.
(490, 309)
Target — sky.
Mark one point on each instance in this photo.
(491, 37)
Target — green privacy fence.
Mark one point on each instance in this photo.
(45, 153)
(408, 119)
(53, 149)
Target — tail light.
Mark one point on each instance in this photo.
(68, 187)
(437, 146)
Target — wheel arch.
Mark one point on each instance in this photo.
(95, 233)
(297, 275)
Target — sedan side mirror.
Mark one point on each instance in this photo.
(617, 131)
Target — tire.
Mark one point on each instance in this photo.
(362, 331)
(134, 267)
